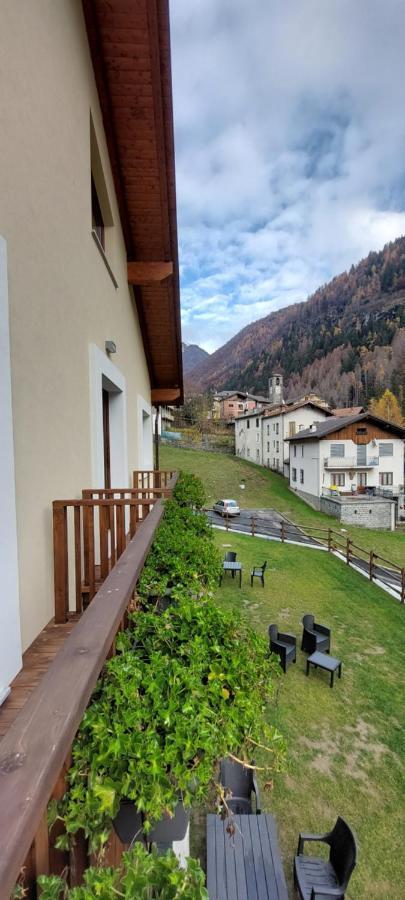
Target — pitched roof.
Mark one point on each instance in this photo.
(336, 423)
(282, 409)
(348, 411)
(130, 49)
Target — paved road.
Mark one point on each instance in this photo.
(267, 522)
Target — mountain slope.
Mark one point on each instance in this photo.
(193, 355)
(346, 342)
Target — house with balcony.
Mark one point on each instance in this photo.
(284, 421)
(228, 405)
(351, 467)
(90, 342)
(261, 434)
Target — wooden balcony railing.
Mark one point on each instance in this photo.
(156, 478)
(91, 534)
(35, 752)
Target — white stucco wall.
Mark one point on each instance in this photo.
(248, 438)
(62, 296)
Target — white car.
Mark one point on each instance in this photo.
(226, 508)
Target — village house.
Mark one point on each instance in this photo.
(89, 296)
(351, 467)
(261, 434)
(228, 405)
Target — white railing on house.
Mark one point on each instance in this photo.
(350, 462)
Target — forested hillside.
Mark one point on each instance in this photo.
(346, 342)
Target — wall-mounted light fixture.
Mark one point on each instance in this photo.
(110, 347)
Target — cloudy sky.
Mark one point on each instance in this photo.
(290, 149)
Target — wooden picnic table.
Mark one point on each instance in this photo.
(232, 567)
(246, 865)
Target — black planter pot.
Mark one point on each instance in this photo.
(128, 823)
(170, 828)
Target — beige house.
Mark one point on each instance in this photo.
(89, 300)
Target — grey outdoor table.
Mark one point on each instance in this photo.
(246, 865)
(324, 661)
(232, 567)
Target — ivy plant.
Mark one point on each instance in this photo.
(142, 875)
(185, 688)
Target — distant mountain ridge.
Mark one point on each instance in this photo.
(346, 342)
(193, 355)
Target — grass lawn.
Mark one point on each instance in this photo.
(346, 746)
(222, 476)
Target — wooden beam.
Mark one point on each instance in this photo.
(148, 272)
(163, 396)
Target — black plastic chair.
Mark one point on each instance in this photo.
(258, 572)
(285, 645)
(314, 636)
(242, 784)
(317, 879)
(230, 556)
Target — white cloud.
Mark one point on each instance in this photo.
(290, 142)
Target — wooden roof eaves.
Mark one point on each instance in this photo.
(159, 32)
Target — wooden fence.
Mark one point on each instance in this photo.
(152, 479)
(377, 567)
(35, 752)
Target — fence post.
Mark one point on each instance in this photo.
(329, 539)
(253, 524)
(370, 565)
(402, 585)
(227, 521)
(61, 567)
(348, 542)
(282, 531)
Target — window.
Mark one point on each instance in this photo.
(337, 449)
(97, 220)
(277, 381)
(248, 451)
(294, 475)
(230, 404)
(248, 423)
(386, 478)
(257, 454)
(257, 437)
(386, 449)
(302, 450)
(268, 446)
(268, 430)
(295, 449)
(338, 478)
(361, 430)
(292, 429)
(274, 426)
(257, 423)
(362, 479)
(277, 446)
(302, 476)
(240, 406)
(274, 444)
(277, 427)
(301, 427)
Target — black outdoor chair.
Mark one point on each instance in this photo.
(242, 784)
(230, 556)
(258, 572)
(285, 645)
(317, 879)
(314, 636)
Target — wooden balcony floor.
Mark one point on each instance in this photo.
(36, 661)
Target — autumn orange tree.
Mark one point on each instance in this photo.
(387, 407)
